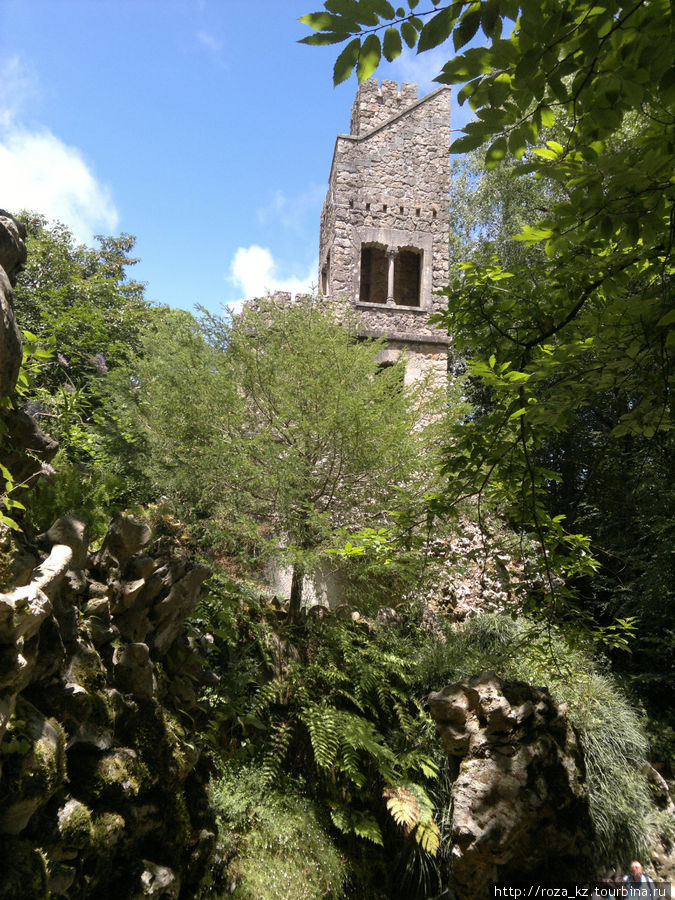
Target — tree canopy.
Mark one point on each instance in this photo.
(280, 421)
(564, 313)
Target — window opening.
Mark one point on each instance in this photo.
(407, 277)
(325, 275)
(374, 268)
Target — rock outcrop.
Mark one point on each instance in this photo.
(102, 790)
(519, 803)
(12, 259)
(24, 448)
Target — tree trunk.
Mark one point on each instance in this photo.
(296, 593)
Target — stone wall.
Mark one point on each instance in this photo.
(389, 189)
(389, 186)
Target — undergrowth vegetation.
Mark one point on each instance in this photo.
(275, 841)
(339, 706)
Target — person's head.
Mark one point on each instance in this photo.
(636, 869)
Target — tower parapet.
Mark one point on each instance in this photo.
(377, 103)
(384, 226)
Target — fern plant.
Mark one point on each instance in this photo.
(347, 717)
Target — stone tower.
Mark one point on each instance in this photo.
(384, 225)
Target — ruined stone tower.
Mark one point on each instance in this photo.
(384, 225)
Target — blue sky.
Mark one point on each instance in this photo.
(200, 126)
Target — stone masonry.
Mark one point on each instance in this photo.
(384, 225)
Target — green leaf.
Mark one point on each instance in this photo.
(467, 143)
(324, 21)
(392, 44)
(383, 8)
(324, 38)
(409, 33)
(346, 61)
(547, 116)
(490, 19)
(496, 153)
(9, 522)
(369, 57)
(475, 61)
(438, 28)
(468, 26)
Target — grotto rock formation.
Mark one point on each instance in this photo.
(519, 805)
(101, 790)
(20, 432)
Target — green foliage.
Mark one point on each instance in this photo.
(340, 712)
(90, 495)
(85, 320)
(611, 734)
(565, 313)
(277, 424)
(275, 841)
(335, 703)
(81, 300)
(348, 712)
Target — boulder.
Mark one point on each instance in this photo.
(12, 259)
(519, 799)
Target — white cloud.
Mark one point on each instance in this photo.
(419, 69)
(255, 273)
(213, 45)
(209, 41)
(39, 171)
(18, 85)
(292, 212)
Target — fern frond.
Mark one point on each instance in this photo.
(348, 695)
(279, 743)
(361, 734)
(349, 765)
(428, 836)
(322, 724)
(403, 806)
(418, 760)
(362, 824)
(266, 695)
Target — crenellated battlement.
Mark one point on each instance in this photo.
(384, 225)
(377, 102)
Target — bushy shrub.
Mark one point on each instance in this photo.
(275, 841)
(610, 730)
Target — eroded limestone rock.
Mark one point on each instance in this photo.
(98, 766)
(12, 259)
(519, 800)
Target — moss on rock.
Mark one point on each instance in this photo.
(75, 824)
(24, 871)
